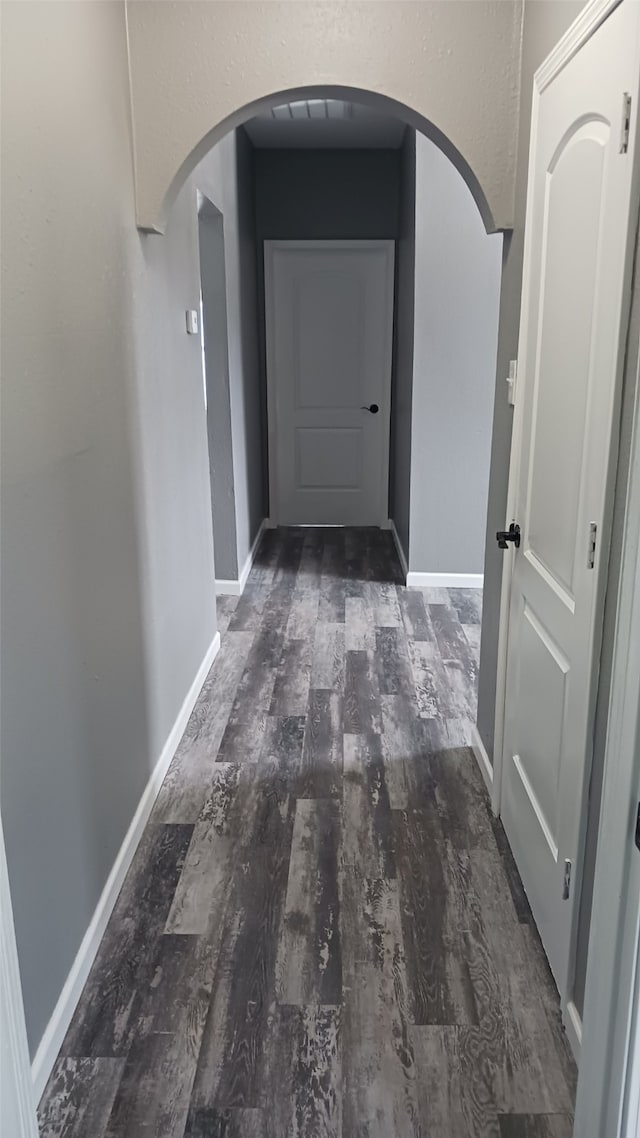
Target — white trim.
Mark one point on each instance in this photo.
(17, 1100)
(55, 1031)
(270, 248)
(612, 959)
(606, 1069)
(399, 550)
(631, 1109)
(482, 759)
(573, 1028)
(445, 580)
(582, 28)
(503, 645)
(227, 587)
(233, 588)
(251, 556)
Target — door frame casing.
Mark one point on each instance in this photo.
(17, 1105)
(217, 389)
(271, 247)
(613, 941)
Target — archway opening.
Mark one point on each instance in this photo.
(384, 104)
(446, 294)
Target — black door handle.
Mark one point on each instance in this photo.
(373, 408)
(504, 536)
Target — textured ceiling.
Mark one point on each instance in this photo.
(330, 123)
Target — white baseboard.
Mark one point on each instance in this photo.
(482, 758)
(233, 588)
(56, 1029)
(399, 550)
(227, 588)
(445, 580)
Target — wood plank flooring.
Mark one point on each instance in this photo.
(323, 934)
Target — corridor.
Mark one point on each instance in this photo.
(323, 932)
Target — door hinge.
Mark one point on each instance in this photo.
(591, 547)
(626, 123)
(512, 379)
(566, 881)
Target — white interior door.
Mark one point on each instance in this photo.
(329, 324)
(574, 312)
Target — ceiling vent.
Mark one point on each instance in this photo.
(312, 109)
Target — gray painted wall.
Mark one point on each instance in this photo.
(327, 194)
(402, 381)
(108, 602)
(225, 177)
(457, 287)
(216, 352)
(173, 488)
(244, 357)
(75, 741)
(544, 24)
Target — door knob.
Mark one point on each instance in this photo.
(373, 408)
(504, 536)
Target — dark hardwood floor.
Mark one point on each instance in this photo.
(323, 933)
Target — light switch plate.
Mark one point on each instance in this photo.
(192, 321)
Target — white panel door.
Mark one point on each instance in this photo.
(574, 312)
(329, 309)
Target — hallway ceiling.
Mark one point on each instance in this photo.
(324, 123)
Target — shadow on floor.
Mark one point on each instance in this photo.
(323, 931)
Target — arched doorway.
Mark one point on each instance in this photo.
(382, 103)
(197, 71)
(449, 275)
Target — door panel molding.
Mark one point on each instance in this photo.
(535, 806)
